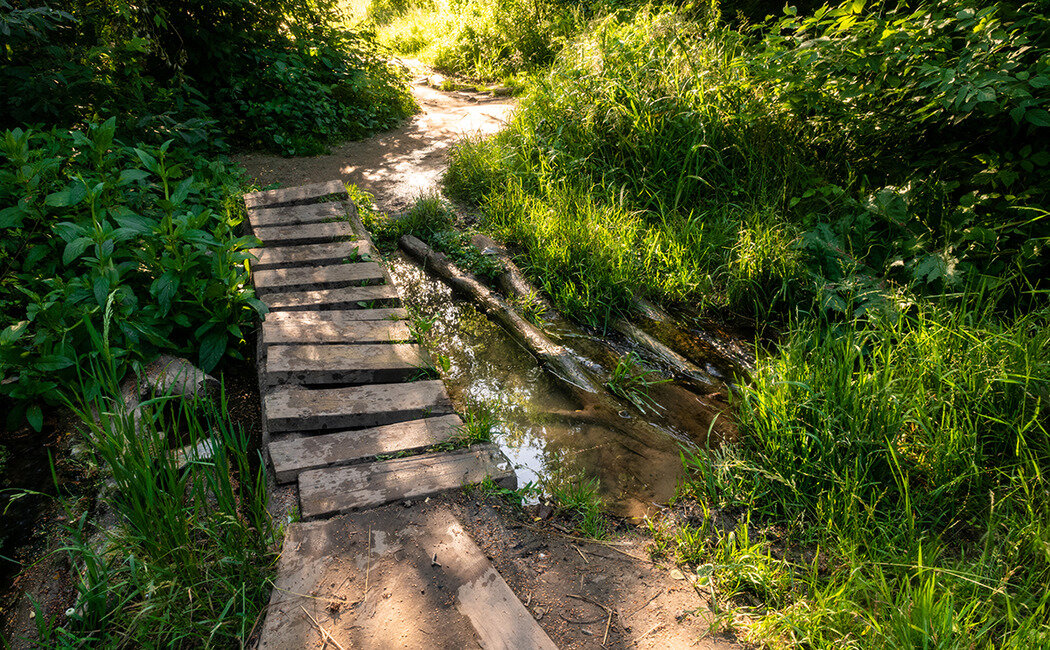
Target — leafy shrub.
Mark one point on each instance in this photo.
(277, 73)
(298, 97)
(92, 226)
(485, 40)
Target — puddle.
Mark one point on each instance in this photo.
(485, 368)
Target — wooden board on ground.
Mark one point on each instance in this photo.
(294, 195)
(374, 363)
(292, 456)
(310, 233)
(393, 577)
(371, 297)
(333, 276)
(279, 257)
(337, 326)
(353, 407)
(299, 214)
(337, 490)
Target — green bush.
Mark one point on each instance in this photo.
(484, 40)
(276, 74)
(92, 226)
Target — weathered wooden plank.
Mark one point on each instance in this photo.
(374, 363)
(419, 565)
(383, 295)
(294, 195)
(310, 233)
(294, 215)
(277, 257)
(339, 329)
(337, 490)
(333, 276)
(353, 407)
(292, 456)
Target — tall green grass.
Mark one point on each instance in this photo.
(190, 560)
(892, 475)
(643, 163)
(761, 170)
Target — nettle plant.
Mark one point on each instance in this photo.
(90, 226)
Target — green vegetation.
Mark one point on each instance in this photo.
(92, 225)
(631, 381)
(671, 156)
(477, 428)
(485, 40)
(431, 219)
(872, 182)
(276, 74)
(578, 500)
(190, 560)
(114, 193)
(901, 464)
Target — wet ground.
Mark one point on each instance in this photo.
(485, 369)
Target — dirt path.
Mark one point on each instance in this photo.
(399, 165)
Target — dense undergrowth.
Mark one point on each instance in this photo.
(147, 234)
(872, 182)
(188, 559)
(279, 75)
(483, 40)
(115, 192)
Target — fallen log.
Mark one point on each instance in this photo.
(513, 283)
(558, 359)
(597, 406)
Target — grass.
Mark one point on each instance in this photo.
(578, 499)
(892, 478)
(190, 561)
(622, 175)
(484, 40)
(631, 381)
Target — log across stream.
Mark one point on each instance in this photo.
(557, 422)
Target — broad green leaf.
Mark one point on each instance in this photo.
(75, 249)
(51, 362)
(182, 191)
(132, 175)
(11, 217)
(35, 417)
(1038, 117)
(14, 332)
(148, 161)
(212, 348)
(164, 288)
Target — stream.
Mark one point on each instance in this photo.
(484, 368)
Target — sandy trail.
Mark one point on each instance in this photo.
(399, 165)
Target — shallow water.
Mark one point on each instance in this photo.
(483, 367)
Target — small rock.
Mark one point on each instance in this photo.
(677, 575)
(538, 612)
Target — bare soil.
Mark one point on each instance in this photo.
(399, 165)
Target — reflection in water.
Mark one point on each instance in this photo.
(488, 369)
